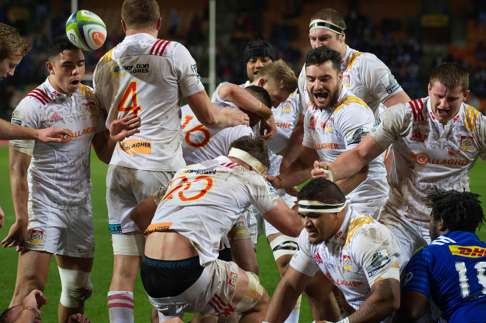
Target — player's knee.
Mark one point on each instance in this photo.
(254, 297)
(76, 287)
(283, 248)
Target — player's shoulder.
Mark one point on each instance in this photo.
(369, 60)
(363, 229)
(37, 97)
(472, 117)
(86, 91)
(166, 47)
(350, 104)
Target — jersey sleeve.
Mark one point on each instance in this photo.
(302, 91)
(396, 122)
(416, 274)
(354, 122)
(379, 79)
(26, 114)
(262, 194)
(307, 140)
(482, 136)
(376, 251)
(302, 260)
(186, 70)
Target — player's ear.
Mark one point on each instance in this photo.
(158, 23)
(261, 81)
(50, 67)
(442, 226)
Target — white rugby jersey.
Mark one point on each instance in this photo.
(365, 75)
(362, 252)
(148, 76)
(331, 133)
(216, 98)
(429, 154)
(201, 143)
(204, 201)
(59, 173)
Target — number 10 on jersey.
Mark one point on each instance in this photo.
(128, 102)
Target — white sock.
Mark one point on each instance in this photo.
(120, 306)
(295, 314)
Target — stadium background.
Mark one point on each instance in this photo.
(410, 37)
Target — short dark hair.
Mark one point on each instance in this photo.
(260, 93)
(60, 44)
(140, 13)
(259, 48)
(458, 210)
(320, 55)
(322, 190)
(255, 146)
(451, 75)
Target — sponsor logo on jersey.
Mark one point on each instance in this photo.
(357, 135)
(467, 144)
(347, 283)
(317, 258)
(283, 125)
(468, 251)
(423, 159)
(378, 261)
(55, 117)
(115, 228)
(136, 147)
(137, 68)
(158, 227)
(16, 121)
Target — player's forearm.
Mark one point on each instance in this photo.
(378, 306)
(11, 131)
(294, 148)
(294, 177)
(104, 146)
(347, 185)
(247, 102)
(19, 187)
(347, 164)
(282, 302)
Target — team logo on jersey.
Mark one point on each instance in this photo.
(467, 144)
(136, 147)
(468, 251)
(287, 108)
(36, 237)
(346, 81)
(346, 262)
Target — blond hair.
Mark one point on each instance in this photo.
(140, 13)
(11, 43)
(280, 72)
(331, 15)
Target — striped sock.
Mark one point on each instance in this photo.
(120, 306)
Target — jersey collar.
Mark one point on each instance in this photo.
(341, 234)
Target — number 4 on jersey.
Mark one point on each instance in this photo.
(128, 102)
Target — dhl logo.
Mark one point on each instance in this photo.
(468, 251)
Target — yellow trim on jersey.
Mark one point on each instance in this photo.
(352, 59)
(348, 100)
(355, 224)
(468, 251)
(85, 90)
(471, 115)
(107, 57)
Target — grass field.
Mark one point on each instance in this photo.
(96, 305)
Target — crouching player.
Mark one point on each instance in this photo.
(452, 269)
(202, 203)
(354, 251)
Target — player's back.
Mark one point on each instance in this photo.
(456, 273)
(147, 76)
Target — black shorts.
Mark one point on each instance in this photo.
(166, 278)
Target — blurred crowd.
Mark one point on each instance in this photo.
(237, 23)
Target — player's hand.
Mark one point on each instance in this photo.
(268, 128)
(16, 235)
(235, 117)
(54, 135)
(35, 299)
(276, 181)
(124, 127)
(78, 318)
(2, 217)
(321, 169)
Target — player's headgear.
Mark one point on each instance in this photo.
(330, 19)
(458, 210)
(321, 196)
(259, 48)
(252, 151)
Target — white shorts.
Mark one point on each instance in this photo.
(125, 188)
(66, 231)
(411, 234)
(212, 293)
